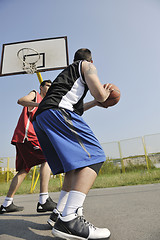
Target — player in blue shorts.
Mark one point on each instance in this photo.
(69, 144)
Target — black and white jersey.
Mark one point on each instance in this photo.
(67, 91)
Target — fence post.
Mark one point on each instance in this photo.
(33, 185)
(120, 152)
(33, 176)
(61, 181)
(7, 169)
(145, 151)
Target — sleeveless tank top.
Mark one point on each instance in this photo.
(67, 91)
(24, 129)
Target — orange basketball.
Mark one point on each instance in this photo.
(113, 98)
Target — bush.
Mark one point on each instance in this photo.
(135, 167)
(109, 167)
(138, 167)
(3, 176)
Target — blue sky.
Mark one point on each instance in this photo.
(124, 38)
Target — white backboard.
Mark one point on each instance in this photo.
(53, 55)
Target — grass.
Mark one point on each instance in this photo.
(54, 186)
(102, 181)
(126, 179)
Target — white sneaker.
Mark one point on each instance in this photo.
(74, 226)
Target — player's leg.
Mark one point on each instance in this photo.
(62, 198)
(16, 182)
(75, 187)
(22, 170)
(35, 157)
(81, 182)
(71, 223)
(45, 173)
(8, 205)
(45, 202)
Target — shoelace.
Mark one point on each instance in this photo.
(86, 222)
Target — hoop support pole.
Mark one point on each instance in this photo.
(39, 77)
(32, 184)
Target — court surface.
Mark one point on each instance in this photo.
(131, 213)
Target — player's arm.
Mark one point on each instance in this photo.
(98, 91)
(28, 100)
(88, 105)
(91, 104)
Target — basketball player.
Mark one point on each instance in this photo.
(29, 153)
(69, 144)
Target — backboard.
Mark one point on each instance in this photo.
(49, 54)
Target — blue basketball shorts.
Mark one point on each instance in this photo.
(67, 141)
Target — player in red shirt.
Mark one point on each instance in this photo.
(29, 153)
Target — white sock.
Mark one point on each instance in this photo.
(7, 201)
(43, 197)
(62, 200)
(74, 201)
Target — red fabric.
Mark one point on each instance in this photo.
(29, 154)
(24, 129)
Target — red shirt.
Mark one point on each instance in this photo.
(24, 129)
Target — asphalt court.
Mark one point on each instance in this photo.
(130, 213)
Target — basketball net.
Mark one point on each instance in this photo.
(29, 68)
(29, 57)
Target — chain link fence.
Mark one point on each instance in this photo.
(139, 150)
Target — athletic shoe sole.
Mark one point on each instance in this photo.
(59, 234)
(63, 235)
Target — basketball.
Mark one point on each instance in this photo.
(113, 98)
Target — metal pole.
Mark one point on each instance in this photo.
(60, 175)
(32, 184)
(39, 77)
(145, 151)
(7, 169)
(122, 163)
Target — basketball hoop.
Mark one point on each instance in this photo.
(34, 56)
(29, 58)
